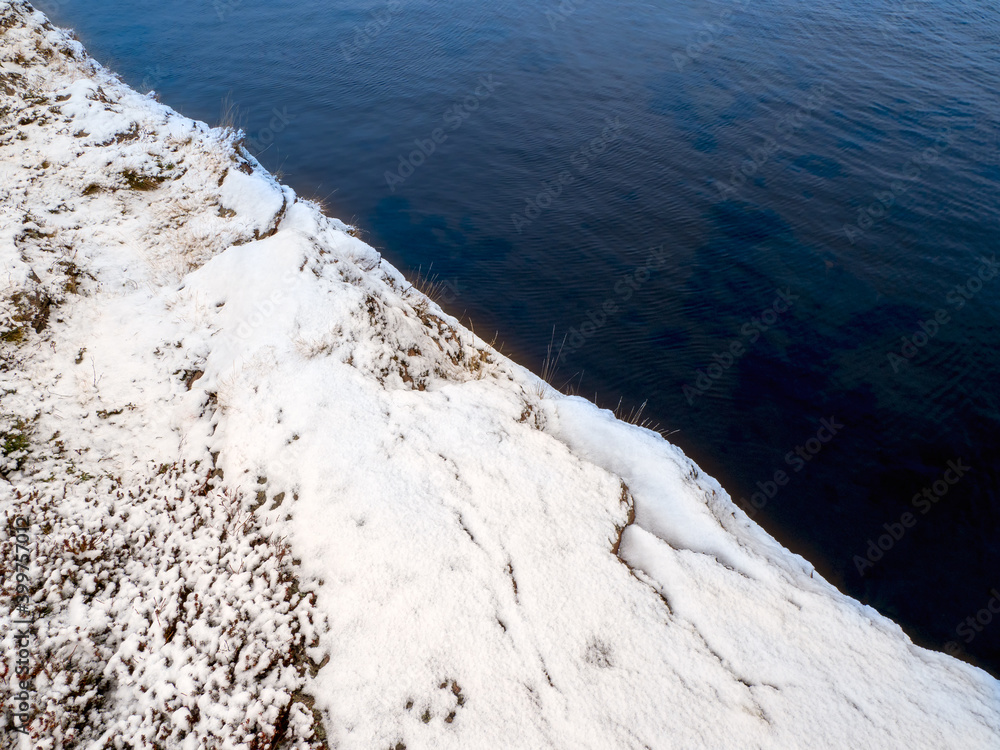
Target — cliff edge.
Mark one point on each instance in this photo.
(258, 491)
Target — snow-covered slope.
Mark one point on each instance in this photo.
(276, 498)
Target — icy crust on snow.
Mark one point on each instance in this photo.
(280, 499)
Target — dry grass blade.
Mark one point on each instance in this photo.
(230, 114)
(427, 284)
(550, 365)
(635, 417)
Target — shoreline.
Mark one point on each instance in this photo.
(277, 492)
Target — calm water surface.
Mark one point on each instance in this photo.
(819, 181)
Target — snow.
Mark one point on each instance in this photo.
(277, 494)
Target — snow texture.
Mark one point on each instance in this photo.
(279, 499)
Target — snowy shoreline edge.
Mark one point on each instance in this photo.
(278, 498)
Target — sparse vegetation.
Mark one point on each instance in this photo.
(137, 181)
(15, 441)
(635, 416)
(163, 605)
(549, 366)
(229, 115)
(428, 284)
(26, 311)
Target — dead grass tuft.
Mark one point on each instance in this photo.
(137, 181)
(634, 416)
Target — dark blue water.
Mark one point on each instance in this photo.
(818, 182)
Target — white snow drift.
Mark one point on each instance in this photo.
(280, 499)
